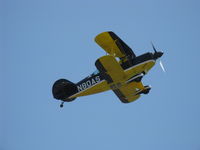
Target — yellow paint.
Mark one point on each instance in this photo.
(103, 86)
(108, 44)
(115, 71)
(97, 88)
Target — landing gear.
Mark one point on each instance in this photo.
(144, 91)
(61, 105)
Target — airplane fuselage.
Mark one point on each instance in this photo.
(95, 83)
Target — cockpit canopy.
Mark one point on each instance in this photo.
(95, 72)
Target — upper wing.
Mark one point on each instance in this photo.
(113, 73)
(113, 45)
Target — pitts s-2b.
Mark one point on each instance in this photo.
(120, 71)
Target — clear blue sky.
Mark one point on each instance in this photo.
(44, 40)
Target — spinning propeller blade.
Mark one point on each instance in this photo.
(157, 55)
(161, 65)
(154, 47)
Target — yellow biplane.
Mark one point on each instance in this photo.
(120, 71)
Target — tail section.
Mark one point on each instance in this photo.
(62, 89)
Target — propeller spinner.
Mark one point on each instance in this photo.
(157, 55)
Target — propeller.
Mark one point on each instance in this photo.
(161, 65)
(157, 55)
(154, 47)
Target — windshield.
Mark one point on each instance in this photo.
(95, 72)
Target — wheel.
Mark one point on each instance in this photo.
(146, 90)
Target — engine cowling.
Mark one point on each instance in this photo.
(62, 89)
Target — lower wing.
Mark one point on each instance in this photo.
(116, 79)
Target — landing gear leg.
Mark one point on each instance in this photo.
(62, 104)
(144, 91)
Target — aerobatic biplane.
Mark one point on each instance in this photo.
(120, 71)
